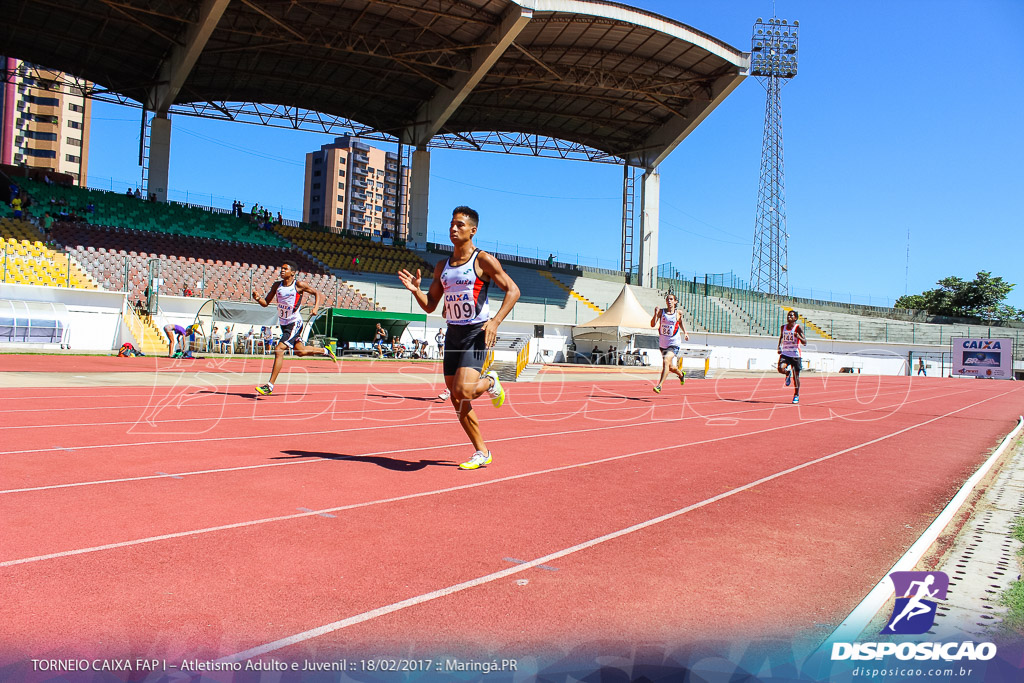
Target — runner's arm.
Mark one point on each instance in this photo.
(491, 267)
(318, 298)
(428, 301)
(262, 301)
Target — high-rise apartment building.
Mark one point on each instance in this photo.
(44, 123)
(353, 186)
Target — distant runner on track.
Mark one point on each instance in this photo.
(671, 335)
(288, 292)
(791, 336)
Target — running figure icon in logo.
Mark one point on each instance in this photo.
(916, 596)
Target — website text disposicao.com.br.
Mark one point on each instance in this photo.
(910, 672)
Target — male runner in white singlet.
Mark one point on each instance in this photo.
(791, 336)
(462, 282)
(671, 334)
(288, 292)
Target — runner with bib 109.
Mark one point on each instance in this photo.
(462, 282)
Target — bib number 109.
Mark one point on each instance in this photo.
(455, 310)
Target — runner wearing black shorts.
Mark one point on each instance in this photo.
(791, 336)
(461, 282)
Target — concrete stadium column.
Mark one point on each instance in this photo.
(159, 157)
(650, 203)
(419, 192)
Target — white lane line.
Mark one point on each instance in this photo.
(433, 404)
(421, 448)
(450, 489)
(546, 559)
(649, 407)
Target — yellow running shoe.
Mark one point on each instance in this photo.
(496, 392)
(478, 460)
(657, 389)
(330, 354)
(265, 389)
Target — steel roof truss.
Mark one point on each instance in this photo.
(177, 66)
(444, 102)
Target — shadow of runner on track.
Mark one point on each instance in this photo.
(427, 399)
(393, 464)
(611, 398)
(247, 394)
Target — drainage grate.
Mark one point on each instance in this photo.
(983, 562)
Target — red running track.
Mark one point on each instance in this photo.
(200, 522)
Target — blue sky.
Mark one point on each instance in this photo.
(905, 117)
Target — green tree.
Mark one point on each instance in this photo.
(982, 297)
(917, 302)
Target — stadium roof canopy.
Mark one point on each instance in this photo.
(618, 82)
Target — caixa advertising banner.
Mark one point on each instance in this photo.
(987, 358)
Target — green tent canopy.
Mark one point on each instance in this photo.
(353, 325)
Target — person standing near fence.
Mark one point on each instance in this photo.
(462, 282)
(920, 368)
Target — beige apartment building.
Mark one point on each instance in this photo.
(44, 123)
(353, 186)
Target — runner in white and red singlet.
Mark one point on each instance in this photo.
(791, 336)
(462, 282)
(671, 335)
(288, 295)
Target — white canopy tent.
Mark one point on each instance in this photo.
(624, 319)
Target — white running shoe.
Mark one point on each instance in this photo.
(445, 395)
(479, 459)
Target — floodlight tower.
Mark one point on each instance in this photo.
(773, 59)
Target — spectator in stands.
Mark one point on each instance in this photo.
(46, 179)
(138, 193)
(280, 218)
(609, 357)
(152, 197)
(16, 206)
(187, 291)
(551, 260)
(128, 193)
(90, 208)
(355, 263)
(215, 339)
(47, 223)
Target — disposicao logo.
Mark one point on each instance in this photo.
(917, 594)
(917, 597)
